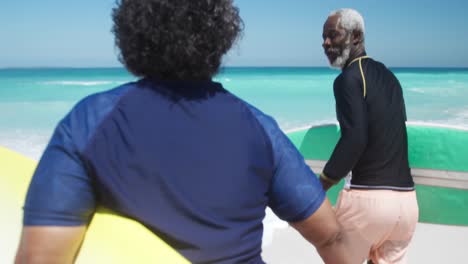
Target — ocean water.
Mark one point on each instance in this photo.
(32, 101)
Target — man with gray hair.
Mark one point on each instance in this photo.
(378, 207)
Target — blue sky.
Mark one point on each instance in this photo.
(277, 33)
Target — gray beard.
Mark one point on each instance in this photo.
(341, 60)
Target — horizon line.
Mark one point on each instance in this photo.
(222, 67)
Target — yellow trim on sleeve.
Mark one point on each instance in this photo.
(356, 59)
(329, 180)
(362, 72)
(363, 78)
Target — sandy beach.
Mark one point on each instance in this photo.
(432, 244)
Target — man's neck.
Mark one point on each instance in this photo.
(355, 53)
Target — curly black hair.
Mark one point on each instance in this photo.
(175, 39)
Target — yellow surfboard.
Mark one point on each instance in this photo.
(109, 239)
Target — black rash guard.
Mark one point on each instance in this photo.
(373, 143)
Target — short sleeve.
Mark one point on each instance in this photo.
(60, 192)
(295, 192)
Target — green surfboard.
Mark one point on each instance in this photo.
(438, 157)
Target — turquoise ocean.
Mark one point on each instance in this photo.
(32, 101)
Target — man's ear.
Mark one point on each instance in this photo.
(358, 37)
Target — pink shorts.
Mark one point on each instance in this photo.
(380, 223)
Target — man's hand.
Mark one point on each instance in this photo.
(325, 184)
(323, 231)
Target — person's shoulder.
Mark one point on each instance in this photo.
(378, 64)
(351, 71)
(259, 114)
(252, 110)
(83, 119)
(350, 75)
(383, 69)
(264, 122)
(268, 123)
(103, 100)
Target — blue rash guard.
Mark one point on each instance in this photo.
(189, 160)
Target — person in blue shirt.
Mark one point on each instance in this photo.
(174, 151)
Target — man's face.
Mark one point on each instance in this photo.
(336, 42)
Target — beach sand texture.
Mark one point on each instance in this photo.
(432, 244)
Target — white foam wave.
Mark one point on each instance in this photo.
(461, 118)
(417, 90)
(460, 123)
(28, 143)
(453, 117)
(36, 104)
(80, 83)
(223, 80)
(449, 123)
(463, 113)
(440, 90)
(289, 128)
